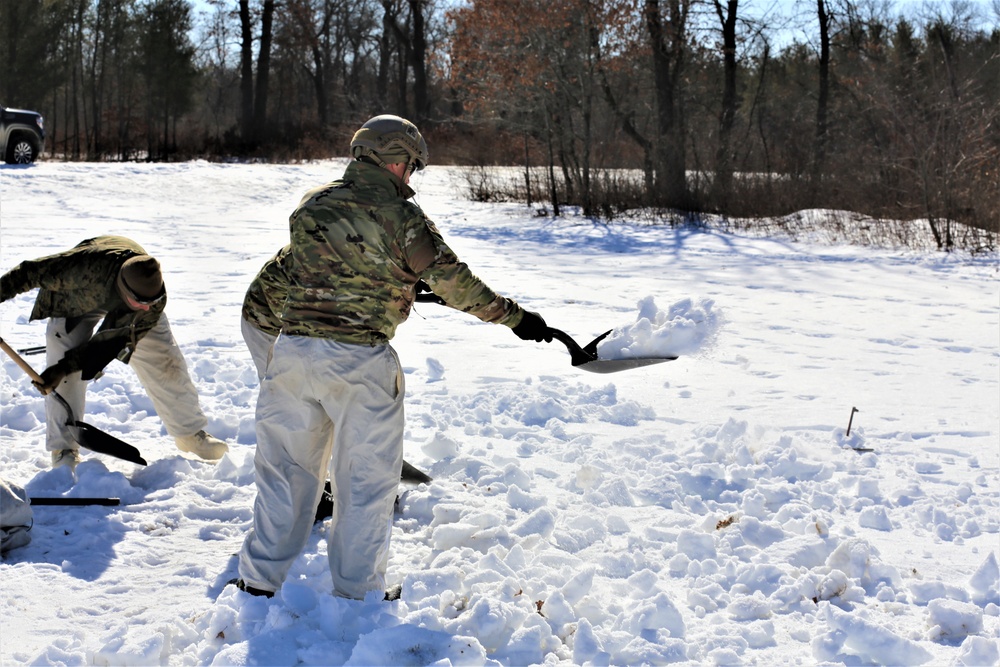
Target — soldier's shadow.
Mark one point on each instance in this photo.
(79, 539)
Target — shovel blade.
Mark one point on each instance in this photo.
(585, 358)
(414, 475)
(615, 365)
(98, 441)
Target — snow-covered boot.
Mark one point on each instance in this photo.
(66, 457)
(203, 445)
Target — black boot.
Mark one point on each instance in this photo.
(324, 509)
(259, 592)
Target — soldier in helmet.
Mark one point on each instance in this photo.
(111, 280)
(358, 249)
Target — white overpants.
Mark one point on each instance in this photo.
(315, 388)
(259, 343)
(157, 362)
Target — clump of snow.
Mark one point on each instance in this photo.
(435, 370)
(985, 582)
(875, 517)
(951, 619)
(871, 641)
(440, 446)
(978, 651)
(686, 327)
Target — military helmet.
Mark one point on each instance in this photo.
(388, 139)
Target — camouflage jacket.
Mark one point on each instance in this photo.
(266, 295)
(358, 248)
(79, 282)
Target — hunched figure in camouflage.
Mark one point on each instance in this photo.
(109, 278)
(358, 248)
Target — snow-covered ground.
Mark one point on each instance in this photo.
(709, 510)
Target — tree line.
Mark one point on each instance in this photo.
(605, 105)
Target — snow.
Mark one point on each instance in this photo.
(685, 328)
(710, 510)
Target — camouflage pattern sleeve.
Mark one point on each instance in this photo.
(80, 281)
(55, 272)
(265, 298)
(432, 260)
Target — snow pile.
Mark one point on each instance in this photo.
(710, 511)
(686, 327)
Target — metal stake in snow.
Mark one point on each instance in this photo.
(850, 421)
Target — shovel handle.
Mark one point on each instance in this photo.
(60, 500)
(577, 354)
(12, 353)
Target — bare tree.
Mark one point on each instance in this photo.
(667, 34)
(722, 184)
(246, 73)
(421, 101)
(260, 127)
(823, 96)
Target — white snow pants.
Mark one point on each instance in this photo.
(157, 362)
(315, 388)
(259, 343)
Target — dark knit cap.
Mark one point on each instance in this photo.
(141, 275)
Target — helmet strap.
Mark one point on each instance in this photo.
(371, 156)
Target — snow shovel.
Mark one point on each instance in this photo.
(582, 357)
(87, 436)
(586, 357)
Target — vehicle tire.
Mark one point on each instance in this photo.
(21, 150)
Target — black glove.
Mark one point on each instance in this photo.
(533, 327)
(51, 377)
(425, 295)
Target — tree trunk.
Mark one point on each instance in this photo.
(723, 181)
(553, 189)
(668, 50)
(385, 50)
(630, 131)
(246, 74)
(263, 71)
(75, 65)
(527, 170)
(421, 100)
(319, 85)
(822, 100)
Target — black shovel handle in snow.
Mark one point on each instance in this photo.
(74, 502)
(87, 436)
